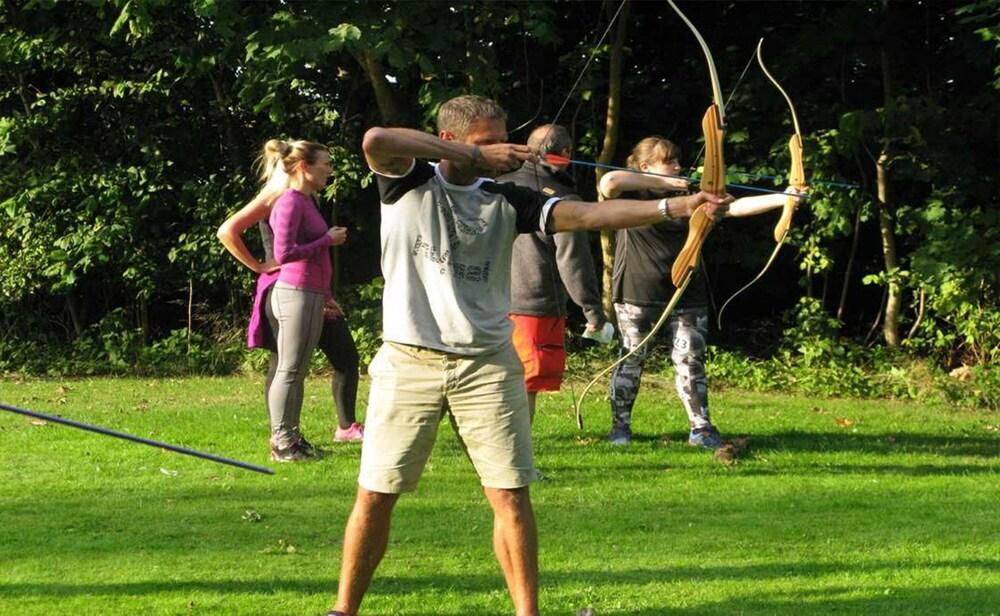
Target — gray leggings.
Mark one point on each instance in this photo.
(688, 328)
(299, 313)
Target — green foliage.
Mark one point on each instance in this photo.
(984, 12)
(128, 129)
(814, 360)
(113, 346)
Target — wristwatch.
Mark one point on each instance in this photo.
(664, 209)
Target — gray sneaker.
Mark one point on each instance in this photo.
(299, 451)
(709, 438)
(620, 435)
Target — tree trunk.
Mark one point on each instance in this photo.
(612, 124)
(75, 313)
(190, 312)
(144, 320)
(920, 314)
(890, 325)
(855, 237)
(894, 300)
(232, 141)
(878, 317)
(855, 241)
(385, 98)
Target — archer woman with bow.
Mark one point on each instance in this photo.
(642, 286)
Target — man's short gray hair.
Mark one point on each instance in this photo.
(459, 113)
(550, 138)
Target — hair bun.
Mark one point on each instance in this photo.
(277, 146)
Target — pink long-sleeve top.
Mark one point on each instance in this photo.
(300, 242)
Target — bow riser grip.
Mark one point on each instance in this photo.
(797, 179)
(797, 174)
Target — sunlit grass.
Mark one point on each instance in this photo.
(839, 506)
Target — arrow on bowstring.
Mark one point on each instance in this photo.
(562, 161)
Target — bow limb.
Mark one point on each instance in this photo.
(796, 179)
(714, 181)
(796, 174)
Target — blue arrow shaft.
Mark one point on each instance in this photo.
(138, 439)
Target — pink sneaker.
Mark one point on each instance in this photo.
(354, 434)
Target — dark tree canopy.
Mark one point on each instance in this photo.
(129, 129)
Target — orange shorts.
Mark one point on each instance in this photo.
(541, 344)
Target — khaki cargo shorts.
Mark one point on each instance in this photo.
(413, 388)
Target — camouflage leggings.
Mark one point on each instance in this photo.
(689, 328)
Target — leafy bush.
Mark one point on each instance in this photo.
(873, 375)
(181, 353)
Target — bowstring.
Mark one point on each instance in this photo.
(732, 93)
(541, 83)
(593, 54)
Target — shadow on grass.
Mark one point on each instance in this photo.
(894, 443)
(881, 600)
(889, 443)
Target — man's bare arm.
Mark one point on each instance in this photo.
(392, 150)
(625, 213)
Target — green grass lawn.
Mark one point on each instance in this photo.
(839, 506)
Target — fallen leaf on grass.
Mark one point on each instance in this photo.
(991, 428)
(38, 422)
(731, 451)
(283, 547)
(844, 422)
(585, 440)
(251, 515)
(168, 472)
(726, 454)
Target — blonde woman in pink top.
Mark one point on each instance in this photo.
(335, 341)
(293, 301)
